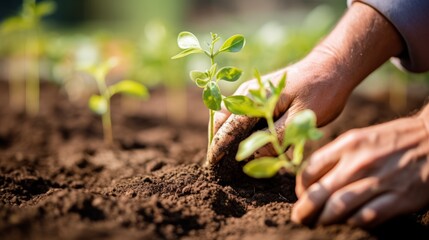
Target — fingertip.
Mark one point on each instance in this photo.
(299, 188)
(295, 215)
(300, 213)
(308, 208)
(233, 130)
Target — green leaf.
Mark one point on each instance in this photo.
(265, 167)
(242, 105)
(212, 97)
(272, 88)
(187, 40)
(298, 152)
(233, 44)
(45, 8)
(257, 96)
(12, 24)
(215, 37)
(315, 134)
(130, 88)
(200, 78)
(282, 84)
(230, 74)
(98, 104)
(271, 102)
(301, 127)
(187, 52)
(261, 88)
(258, 77)
(100, 71)
(255, 141)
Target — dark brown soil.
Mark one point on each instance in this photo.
(58, 181)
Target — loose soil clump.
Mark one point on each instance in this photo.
(58, 181)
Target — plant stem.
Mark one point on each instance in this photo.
(33, 83)
(211, 112)
(272, 129)
(106, 118)
(211, 127)
(107, 125)
(16, 85)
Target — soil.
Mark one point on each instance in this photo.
(59, 181)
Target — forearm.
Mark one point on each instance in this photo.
(361, 42)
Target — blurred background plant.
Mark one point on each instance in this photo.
(142, 35)
(21, 34)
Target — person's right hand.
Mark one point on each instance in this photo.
(313, 83)
(322, 81)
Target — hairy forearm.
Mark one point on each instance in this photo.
(361, 42)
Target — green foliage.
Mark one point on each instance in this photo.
(253, 143)
(301, 128)
(100, 103)
(29, 16)
(212, 97)
(263, 167)
(130, 88)
(22, 34)
(233, 44)
(208, 79)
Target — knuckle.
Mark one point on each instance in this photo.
(315, 158)
(337, 203)
(352, 137)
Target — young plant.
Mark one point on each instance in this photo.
(208, 79)
(299, 129)
(100, 103)
(27, 23)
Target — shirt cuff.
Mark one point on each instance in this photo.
(411, 19)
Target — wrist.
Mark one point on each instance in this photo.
(361, 42)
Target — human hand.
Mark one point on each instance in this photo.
(322, 81)
(309, 86)
(366, 176)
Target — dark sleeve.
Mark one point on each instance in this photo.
(411, 19)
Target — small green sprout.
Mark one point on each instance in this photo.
(100, 103)
(301, 128)
(208, 79)
(28, 24)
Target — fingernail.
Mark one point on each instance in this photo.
(295, 216)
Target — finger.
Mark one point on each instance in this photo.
(312, 201)
(220, 117)
(345, 201)
(309, 206)
(230, 134)
(323, 160)
(377, 211)
(310, 173)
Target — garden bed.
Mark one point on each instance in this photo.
(58, 180)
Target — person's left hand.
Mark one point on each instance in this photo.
(366, 176)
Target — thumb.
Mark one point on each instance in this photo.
(233, 131)
(220, 117)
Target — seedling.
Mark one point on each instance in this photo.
(28, 21)
(300, 129)
(208, 79)
(100, 103)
